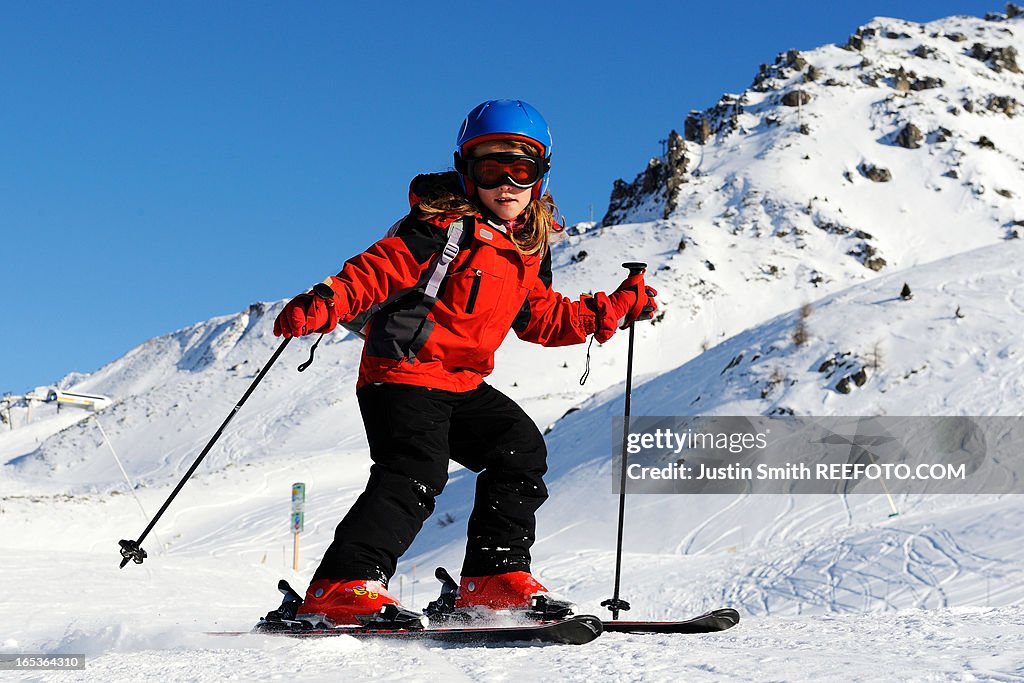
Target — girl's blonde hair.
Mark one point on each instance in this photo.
(539, 216)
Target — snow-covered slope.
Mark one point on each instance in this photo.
(765, 237)
(970, 367)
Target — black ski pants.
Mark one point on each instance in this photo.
(413, 432)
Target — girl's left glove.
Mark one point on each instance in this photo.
(632, 301)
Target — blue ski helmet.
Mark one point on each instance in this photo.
(503, 120)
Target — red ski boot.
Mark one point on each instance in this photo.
(342, 602)
(512, 590)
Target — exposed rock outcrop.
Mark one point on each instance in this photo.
(657, 186)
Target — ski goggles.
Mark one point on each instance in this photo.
(491, 171)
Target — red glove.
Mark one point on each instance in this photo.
(632, 301)
(306, 314)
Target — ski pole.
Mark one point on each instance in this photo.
(616, 604)
(132, 550)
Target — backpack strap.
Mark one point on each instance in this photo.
(448, 254)
(432, 285)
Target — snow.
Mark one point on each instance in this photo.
(829, 587)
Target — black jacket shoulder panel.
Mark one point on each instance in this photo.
(422, 239)
(545, 270)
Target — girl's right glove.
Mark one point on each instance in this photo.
(632, 301)
(306, 314)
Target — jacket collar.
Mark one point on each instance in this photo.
(494, 232)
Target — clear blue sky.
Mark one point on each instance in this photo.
(165, 162)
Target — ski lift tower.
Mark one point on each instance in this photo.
(92, 402)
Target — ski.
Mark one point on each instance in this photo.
(715, 620)
(549, 621)
(571, 631)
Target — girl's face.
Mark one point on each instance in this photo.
(505, 201)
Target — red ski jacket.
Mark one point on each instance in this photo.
(449, 343)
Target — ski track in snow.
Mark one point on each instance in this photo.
(980, 645)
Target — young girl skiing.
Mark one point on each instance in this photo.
(427, 351)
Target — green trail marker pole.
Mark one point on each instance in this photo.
(298, 519)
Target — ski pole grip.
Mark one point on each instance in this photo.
(635, 268)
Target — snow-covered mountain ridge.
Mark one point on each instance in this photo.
(772, 211)
(947, 88)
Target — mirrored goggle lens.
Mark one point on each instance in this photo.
(492, 171)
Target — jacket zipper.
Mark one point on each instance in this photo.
(473, 291)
